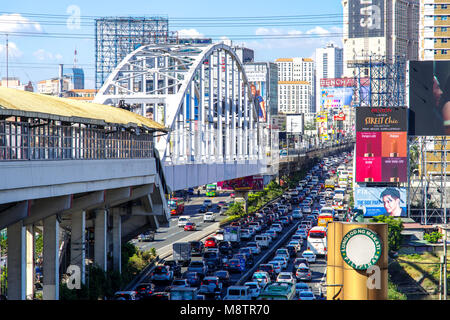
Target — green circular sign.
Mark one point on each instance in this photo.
(361, 248)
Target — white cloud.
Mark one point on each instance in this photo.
(43, 55)
(294, 43)
(189, 33)
(16, 23)
(13, 50)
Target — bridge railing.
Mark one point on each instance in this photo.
(47, 141)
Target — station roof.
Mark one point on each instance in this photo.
(15, 102)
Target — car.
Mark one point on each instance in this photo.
(301, 286)
(277, 226)
(300, 261)
(237, 293)
(161, 273)
(272, 233)
(277, 266)
(254, 247)
(145, 289)
(212, 259)
(180, 283)
(245, 234)
(302, 232)
(193, 278)
(147, 236)
(209, 217)
(315, 212)
(247, 253)
(286, 277)
(262, 277)
(182, 220)
(235, 265)
(160, 296)
(197, 248)
(202, 209)
(198, 266)
(283, 252)
(190, 226)
(297, 237)
(309, 255)
(224, 277)
(211, 242)
(282, 259)
(207, 203)
(210, 285)
(303, 273)
(306, 295)
(297, 214)
(292, 250)
(126, 295)
(222, 203)
(225, 248)
(296, 244)
(306, 209)
(254, 288)
(174, 266)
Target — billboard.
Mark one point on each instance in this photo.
(387, 201)
(381, 145)
(250, 183)
(294, 123)
(365, 18)
(429, 98)
(337, 93)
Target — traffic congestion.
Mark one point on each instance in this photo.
(277, 253)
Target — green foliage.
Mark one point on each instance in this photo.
(395, 227)
(3, 245)
(393, 293)
(39, 244)
(432, 237)
(236, 209)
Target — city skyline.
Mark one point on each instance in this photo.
(40, 41)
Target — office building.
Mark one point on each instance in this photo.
(434, 30)
(379, 29)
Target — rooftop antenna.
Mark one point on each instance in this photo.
(75, 58)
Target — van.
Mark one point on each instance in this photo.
(182, 220)
(262, 241)
(238, 293)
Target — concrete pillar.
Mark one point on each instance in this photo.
(51, 258)
(117, 242)
(78, 243)
(17, 261)
(100, 234)
(29, 259)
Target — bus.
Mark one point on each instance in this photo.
(176, 206)
(323, 219)
(211, 190)
(278, 291)
(317, 240)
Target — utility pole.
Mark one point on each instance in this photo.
(7, 71)
(445, 221)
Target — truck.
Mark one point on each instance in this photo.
(232, 234)
(330, 183)
(182, 252)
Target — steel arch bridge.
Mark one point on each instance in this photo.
(201, 93)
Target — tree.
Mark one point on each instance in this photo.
(395, 227)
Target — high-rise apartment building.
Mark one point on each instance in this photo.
(380, 28)
(434, 30)
(329, 64)
(295, 85)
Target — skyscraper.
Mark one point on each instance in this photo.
(379, 28)
(295, 85)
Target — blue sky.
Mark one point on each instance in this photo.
(36, 58)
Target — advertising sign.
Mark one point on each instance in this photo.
(387, 201)
(250, 183)
(381, 145)
(429, 98)
(365, 18)
(258, 89)
(294, 123)
(336, 98)
(339, 117)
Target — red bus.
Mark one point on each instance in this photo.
(176, 206)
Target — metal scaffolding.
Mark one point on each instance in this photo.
(116, 37)
(379, 82)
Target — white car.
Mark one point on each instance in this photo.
(283, 261)
(209, 217)
(277, 226)
(309, 255)
(297, 214)
(286, 277)
(296, 244)
(306, 209)
(182, 220)
(254, 288)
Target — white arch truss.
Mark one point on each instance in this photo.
(200, 92)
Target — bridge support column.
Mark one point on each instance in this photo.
(20, 260)
(78, 243)
(51, 259)
(117, 241)
(100, 244)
